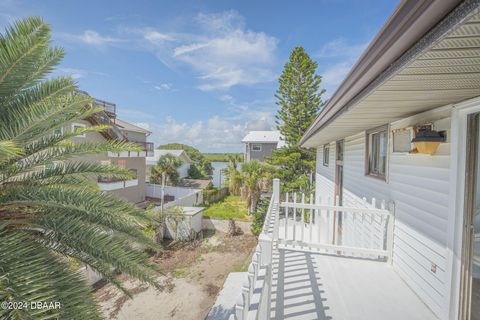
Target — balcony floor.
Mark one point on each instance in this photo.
(315, 286)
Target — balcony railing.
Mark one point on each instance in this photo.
(146, 146)
(109, 107)
(147, 150)
(297, 223)
(113, 183)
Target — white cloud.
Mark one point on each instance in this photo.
(91, 37)
(336, 59)
(217, 133)
(226, 98)
(222, 51)
(164, 87)
(76, 73)
(155, 36)
(334, 74)
(341, 48)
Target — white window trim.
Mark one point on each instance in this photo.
(326, 147)
(455, 220)
(369, 132)
(77, 124)
(256, 144)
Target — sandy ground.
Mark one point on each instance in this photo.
(194, 275)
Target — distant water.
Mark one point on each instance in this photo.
(218, 177)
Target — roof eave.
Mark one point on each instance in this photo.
(380, 62)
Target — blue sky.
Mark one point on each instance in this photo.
(201, 72)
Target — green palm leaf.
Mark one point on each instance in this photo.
(51, 209)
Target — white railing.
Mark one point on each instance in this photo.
(255, 304)
(309, 225)
(364, 231)
(115, 185)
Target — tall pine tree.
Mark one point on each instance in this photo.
(299, 98)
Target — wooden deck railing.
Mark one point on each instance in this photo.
(364, 231)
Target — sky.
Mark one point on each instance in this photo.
(202, 73)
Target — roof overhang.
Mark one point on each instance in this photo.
(403, 73)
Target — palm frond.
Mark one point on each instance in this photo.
(31, 272)
(51, 208)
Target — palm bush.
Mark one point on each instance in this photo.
(168, 165)
(255, 178)
(51, 210)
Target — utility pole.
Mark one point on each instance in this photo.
(162, 193)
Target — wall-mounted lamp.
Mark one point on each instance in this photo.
(427, 140)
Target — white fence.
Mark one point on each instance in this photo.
(185, 197)
(363, 231)
(297, 223)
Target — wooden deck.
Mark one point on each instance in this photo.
(316, 286)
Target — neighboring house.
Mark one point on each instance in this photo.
(421, 71)
(180, 154)
(260, 144)
(134, 189)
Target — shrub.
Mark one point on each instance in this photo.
(214, 195)
(259, 216)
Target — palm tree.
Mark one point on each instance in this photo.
(234, 159)
(168, 165)
(51, 210)
(254, 175)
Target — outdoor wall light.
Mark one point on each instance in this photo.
(427, 140)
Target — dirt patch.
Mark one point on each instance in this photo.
(195, 273)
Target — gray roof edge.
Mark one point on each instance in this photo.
(334, 108)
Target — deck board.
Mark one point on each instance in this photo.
(315, 286)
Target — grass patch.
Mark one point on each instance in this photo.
(240, 268)
(229, 208)
(180, 272)
(221, 157)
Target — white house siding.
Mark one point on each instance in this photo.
(418, 184)
(183, 170)
(325, 175)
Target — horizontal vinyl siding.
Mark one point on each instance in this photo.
(325, 175)
(419, 186)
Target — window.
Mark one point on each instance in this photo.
(402, 140)
(256, 147)
(376, 152)
(77, 126)
(326, 154)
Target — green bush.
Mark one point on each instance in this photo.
(259, 216)
(214, 195)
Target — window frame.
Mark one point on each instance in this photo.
(326, 155)
(256, 144)
(78, 124)
(384, 128)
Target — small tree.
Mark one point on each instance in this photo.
(254, 176)
(299, 98)
(234, 178)
(167, 164)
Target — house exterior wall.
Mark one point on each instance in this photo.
(267, 149)
(133, 194)
(419, 186)
(183, 170)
